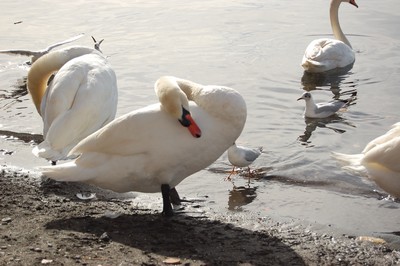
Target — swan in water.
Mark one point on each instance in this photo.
(322, 110)
(148, 150)
(240, 156)
(80, 99)
(326, 54)
(379, 161)
(35, 55)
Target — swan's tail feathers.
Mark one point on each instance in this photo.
(62, 172)
(44, 150)
(358, 170)
(351, 163)
(347, 159)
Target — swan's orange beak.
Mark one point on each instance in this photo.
(187, 121)
(193, 127)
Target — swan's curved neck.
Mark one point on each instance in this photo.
(334, 16)
(45, 66)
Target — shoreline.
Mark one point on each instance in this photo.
(47, 224)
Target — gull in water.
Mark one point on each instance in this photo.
(240, 156)
(35, 55)
(322, 110)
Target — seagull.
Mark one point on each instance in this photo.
(35, 55)
(322, 110)
(240, 156)
(97, 44)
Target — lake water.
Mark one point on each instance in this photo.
(255, 47)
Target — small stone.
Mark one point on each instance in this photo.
(172, 261)
(6, 220)
(104, 237)
(46, 261)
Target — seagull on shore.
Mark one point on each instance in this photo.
(35, 55)
(240, 156)
(322, 110)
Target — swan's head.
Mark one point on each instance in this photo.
(175, 103)
(305, 96)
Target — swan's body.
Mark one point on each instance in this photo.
(321, 110)
(326, 54)
(80, 99)
(240, 156)
(35, 55)
(148, 149)
(380, 161)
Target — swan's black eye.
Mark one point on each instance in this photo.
(184, 121)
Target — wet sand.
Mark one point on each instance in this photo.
(44, 223)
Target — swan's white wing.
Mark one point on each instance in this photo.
(385, 155)
(72, 39)
(392, 133)
(326, 54)
(81, 98)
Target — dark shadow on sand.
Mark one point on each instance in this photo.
(185, 237)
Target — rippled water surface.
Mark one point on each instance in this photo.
(255, 47)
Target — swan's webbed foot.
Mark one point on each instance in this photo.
(53, 162)
(166, 194)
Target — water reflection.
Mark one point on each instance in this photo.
(241, 196)
(313, 123)
(13, 96)
(332, 79)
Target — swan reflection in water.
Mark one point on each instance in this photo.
(241, 196)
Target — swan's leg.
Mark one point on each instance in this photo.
(174, 197)
(53, 162)
(167, 207)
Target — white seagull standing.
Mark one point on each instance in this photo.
(326, 54)
(380, 161)
(149, 151)
(321, 110)
(240, 156)
(35, 55)
(80, 99)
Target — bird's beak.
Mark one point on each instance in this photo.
(353, 2)
(187, 121)
(301, 98)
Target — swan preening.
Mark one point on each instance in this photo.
(154, 148)
(326, 54)
(240, 156)
(379, 161)
(35, 55)
(322, 110)
(81, 97)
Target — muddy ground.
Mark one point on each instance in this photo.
(45, 223)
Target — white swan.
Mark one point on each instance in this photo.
(148, 150)
(326, 54)
(379, 161)
(80, 99)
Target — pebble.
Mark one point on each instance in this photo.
(104, 237)
(6, 220)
